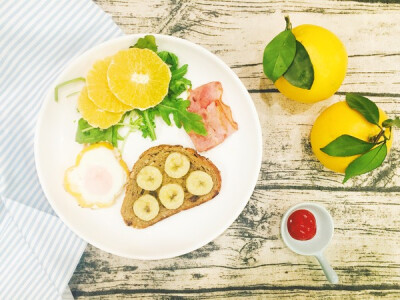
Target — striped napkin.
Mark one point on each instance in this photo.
(38, 253)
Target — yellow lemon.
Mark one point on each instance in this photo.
(339, 119)
(329, 59)
(98, 90)
(138, 77)
(94, 115)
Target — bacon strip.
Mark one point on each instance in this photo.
(206, 100)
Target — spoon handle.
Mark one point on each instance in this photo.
(326, 267)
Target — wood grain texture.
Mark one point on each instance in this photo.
(250, 259)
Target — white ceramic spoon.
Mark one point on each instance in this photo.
(318, 243)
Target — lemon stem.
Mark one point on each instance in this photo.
(379, 135)
(288, 24)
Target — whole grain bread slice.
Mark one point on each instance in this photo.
(156, 157)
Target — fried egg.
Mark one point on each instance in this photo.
(98, 177)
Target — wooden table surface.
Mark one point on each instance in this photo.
(250, 259)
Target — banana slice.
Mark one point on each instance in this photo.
(146, 207)
(199, 183)
(149, 178)
(171, 195)
(177, 165)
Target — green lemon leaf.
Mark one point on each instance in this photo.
(347, 145)
(147, 42)
(279, 54)
(366, 162)
(391, 122)
(364, 106)
(301, 72)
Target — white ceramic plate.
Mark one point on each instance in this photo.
(238, 158)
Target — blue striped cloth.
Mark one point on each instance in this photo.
(38, 253)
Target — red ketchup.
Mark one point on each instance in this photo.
(301, 225)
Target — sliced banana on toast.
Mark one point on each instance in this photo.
(149, 178)
(199, 183)
(146, 207)
(171, 195)
(177, 165)
(167, 180)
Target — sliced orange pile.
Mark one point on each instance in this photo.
(94, 115)
(98, 90)
(132, 78)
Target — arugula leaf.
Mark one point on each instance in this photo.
(170, 59)
(366, 162)
(179, 73)
(301, 72)
(86, 134)
(177, 87)
(191, 122)
(347, 145)
(279, 54)
(148, 125)
(147, 42)
(364, 106)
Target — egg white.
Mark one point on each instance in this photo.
(106, 160)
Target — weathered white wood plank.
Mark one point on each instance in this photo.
(238, 31)
(364, 251)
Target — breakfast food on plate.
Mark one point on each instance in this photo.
(99, 91)
(130, 89)
(98, 177)
(307, 63)
(206, 100)
(95, 116)
(166, 180)
(138, 77)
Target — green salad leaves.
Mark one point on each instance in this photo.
(172, 105)
(87, 134)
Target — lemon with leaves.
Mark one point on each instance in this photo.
(352, 136)
(307, 63)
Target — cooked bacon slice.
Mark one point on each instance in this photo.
(206, 100)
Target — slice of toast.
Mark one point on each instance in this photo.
(156, 157)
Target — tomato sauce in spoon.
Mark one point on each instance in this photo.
(301, 225)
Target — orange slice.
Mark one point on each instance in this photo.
(98, 90)
(138, 77)
(94, 115)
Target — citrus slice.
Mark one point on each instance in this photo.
(98, 90)
(138, 77)
(94, 115)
